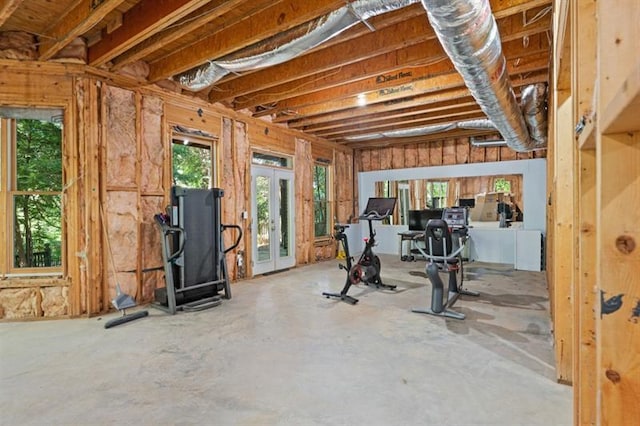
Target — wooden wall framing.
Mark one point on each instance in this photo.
(117, 175)
(596, 157)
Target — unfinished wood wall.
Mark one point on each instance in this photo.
(596, 207)
(40, 297)
(442, 153)
(117, 147)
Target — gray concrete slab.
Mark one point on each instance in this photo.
(279, 353)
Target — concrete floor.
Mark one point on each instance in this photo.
(279, 353)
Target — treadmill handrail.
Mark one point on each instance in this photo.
(237, 240)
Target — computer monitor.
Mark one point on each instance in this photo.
(467, 202)
(418, 218)
(415, 221)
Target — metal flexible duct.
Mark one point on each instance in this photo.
(481, 124)
(320, 31)
(533, 102)
(469, 34)
(534, 107)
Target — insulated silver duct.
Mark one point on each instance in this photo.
(320, 31)
(469, 34)
(533, 102)
(481, 124)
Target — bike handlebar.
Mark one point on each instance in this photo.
(374, 215)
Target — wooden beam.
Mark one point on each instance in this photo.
(74, 23)
(415, 120)
(502, 8)
(618, 278)
(7, 7)
(141, 21)
(383, 109)
(584, 60)
(469, 114)
(188, 24)
(381, 41)
(348, 61)
(275, 19)
(584, 393)
(419, 75)
(384, 142)
(459, 102)
(563, 278)
(387, 95)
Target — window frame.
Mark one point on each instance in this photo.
(199, 140)
(328, 200)
(429, 192)
(9, 190)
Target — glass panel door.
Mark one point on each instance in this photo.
(272, 219)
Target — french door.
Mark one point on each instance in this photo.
(272, 225)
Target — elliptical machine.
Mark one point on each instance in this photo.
(367, 269)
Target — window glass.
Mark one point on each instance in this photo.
(321, 208)
(263, 159)
(37, 233)
(436, 195)
(38, 155)
(191, 164)
(502, 185)
(32, 146)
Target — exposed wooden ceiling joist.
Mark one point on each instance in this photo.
(192, 22)
(80, 19)
(266, 23)
(140, 22)
(7, 7)
(389, 74)
(332, 66)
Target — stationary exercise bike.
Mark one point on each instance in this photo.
(442, 256)
(367, 269)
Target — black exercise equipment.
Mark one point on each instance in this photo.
(443, 256)
(367, 269)
(193, 252)
(342, 239)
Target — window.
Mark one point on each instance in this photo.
(32, 189)
(321, 204)
(192, 159)
(264, 159)
(502, 185)
(436, 195)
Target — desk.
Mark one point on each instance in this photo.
(412, 237)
